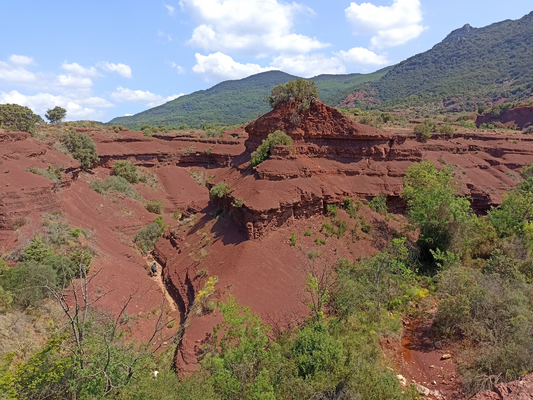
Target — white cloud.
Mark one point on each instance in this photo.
(74, 81)
(360, 56)
(167, 36)
(308, 66)
(128, 115)
(218, 67)
(391, 25)
(20, 60)
(39, 103)
(170, 9)
(77, 69)
(123, 69)
(15, 75)
(255, 27)
(179, 68)
(123, 95)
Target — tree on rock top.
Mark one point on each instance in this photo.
(56, 114)
(299, 89)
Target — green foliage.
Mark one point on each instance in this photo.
(51, 173)
(434, 206)
(307, 232)
(237, 203)
(37, 250)
(491, 309)
(126, 170)
(114, 183)
(320, 241)
(447, 129)
(298, 89)
(425, 130)
(17, 118)
(239, 101)
(155, 206)
(293, 239)
(148, 236)
(82, 148)
(350, 207)
(263, 151)
(379, 204)
(219, 190)
(56, 114)
(386, 117)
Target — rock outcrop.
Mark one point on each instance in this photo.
(521, 389)
(520, 117)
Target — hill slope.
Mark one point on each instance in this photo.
(475, 64)
(238, 101)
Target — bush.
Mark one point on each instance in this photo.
(379, 204)
(148, 237)
(37, 250)
(82, 148)
(56, 114)
(114, 183)
(17, 118)
(299, 89)
(126, 170)
(155, 206)
(424, 130)
(447, 129)
(263, 151)
(51, 173)
(528, 130)
(219, 190)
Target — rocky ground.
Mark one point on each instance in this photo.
(248, 247)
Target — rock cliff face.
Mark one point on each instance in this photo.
(333, 157)
(521, 389)
(521, 117)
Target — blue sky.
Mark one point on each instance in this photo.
(102, 59)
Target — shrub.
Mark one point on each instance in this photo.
(183, 127)
(423, 131)
(51, 173)
(37, 250)
(82, 148)
(147, 237)
(386, 117)
(307, 232)
(56, 114)
(263, 151)
(299, 89)
(17, 118)
(379, 204)
(114, 183)
(155, 206)
(447, 129)
(219, 190)
(320, 241)
(237, 203)
(528, 130)
(293, 239)
(126, 170)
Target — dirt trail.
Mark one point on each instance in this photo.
(158, 278)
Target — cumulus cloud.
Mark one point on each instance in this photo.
(123, 69)
(15, 74)
(170, 9)
(39, 103)
(360, 56)
(308, 66)
(391, 25)
(20, 60)
(219, 66)
(124, 95)
(254, 27)
(77, 69)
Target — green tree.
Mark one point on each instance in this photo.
(17, 118)
(56, 114)
(434, 206)
(300, 89)
(82, 148)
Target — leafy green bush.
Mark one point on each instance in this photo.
(379, 204)
(447, 129)
(51, 173)
(155, 206)
(299, 89)
(148, 237)
(126, 170)
(82, 148)
(263, 151)
(219, 190)
(114, 183)
(37, 250)
(17, 118)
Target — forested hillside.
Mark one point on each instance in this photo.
(476, 65)
(235, 102)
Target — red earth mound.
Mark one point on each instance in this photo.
(521, 117)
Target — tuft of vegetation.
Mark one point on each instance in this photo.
(379, 204)
(149, 235)
(114, 183)
(82, 148)
(54, 174)
(155, 206)
(293, 239)
(297, 90)
(126, 170)
(263, 151)
(219, 190)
